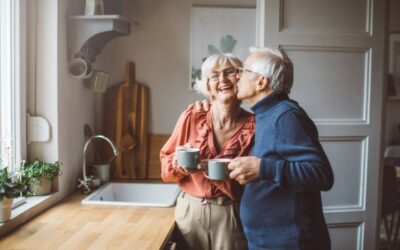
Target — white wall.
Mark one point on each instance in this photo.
(43, 89)
(61, 99)
(76, 108)
(160, 47)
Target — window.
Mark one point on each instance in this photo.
(12, 83)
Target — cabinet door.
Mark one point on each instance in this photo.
(337, 48)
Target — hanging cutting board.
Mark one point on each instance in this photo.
(125, 121)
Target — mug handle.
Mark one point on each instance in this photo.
(206, 175)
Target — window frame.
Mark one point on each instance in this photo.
(13, 24)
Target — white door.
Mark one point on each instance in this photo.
(337, 48)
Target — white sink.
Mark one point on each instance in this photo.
(392, 151)
(134, 194)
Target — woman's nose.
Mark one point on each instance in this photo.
(225, 77)
(222, 76)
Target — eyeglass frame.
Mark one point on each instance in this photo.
(215, 76)
(241, 70)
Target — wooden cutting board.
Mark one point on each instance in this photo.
(125, 121)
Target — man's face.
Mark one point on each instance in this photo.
(247, 84)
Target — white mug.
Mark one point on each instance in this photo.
(80, 68)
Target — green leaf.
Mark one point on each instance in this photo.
(37, 169)
(3, 175)
(227, 44)
(196, 73)
(8, 188)
(212, 50)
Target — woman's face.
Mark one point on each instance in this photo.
(222, 83)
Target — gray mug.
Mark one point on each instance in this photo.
(188, 157)
(218, 169)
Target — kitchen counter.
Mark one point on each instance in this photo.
(71, 225)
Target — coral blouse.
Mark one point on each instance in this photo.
(196, 128)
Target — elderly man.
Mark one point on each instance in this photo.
(281, 206)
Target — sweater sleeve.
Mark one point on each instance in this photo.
(301, 165)
(179, 137)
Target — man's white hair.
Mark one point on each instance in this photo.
(209, 64)
(276, 66)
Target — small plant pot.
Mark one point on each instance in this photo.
(41, 188)
(5, 209)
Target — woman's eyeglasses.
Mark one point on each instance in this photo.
(231, 72)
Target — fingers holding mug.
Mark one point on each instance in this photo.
(188, 157)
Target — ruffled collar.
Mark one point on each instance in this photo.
(239, 142)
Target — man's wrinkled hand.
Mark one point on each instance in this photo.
(203, 165)
(244, 169)
(203, 105)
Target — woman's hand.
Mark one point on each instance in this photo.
(183, 169)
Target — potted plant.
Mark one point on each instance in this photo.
(39, 175)
(8, 191)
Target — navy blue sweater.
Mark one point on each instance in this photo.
(283, 209)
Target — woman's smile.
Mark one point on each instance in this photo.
(226, 88)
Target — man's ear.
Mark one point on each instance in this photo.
(263, 83)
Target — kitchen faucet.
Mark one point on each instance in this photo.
(87, 183)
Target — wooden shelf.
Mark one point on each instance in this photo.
(393, 98)
(98, 17)
(87, 35)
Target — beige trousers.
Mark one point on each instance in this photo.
(208, 226)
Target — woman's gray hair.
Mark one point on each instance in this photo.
(209, 64)
(276, 66)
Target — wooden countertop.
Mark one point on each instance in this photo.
(71, 225)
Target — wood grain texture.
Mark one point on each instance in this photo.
(142, 133)
(108, 124)
(70, 225)
(156, 141)
(125, 121)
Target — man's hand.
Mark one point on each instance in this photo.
(244, 169)
(200, 106)
(203, 165)
(203, 105)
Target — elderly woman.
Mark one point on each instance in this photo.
(206, 212)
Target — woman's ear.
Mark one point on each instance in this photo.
(211, 97)
(263, 83)
(208, 86)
